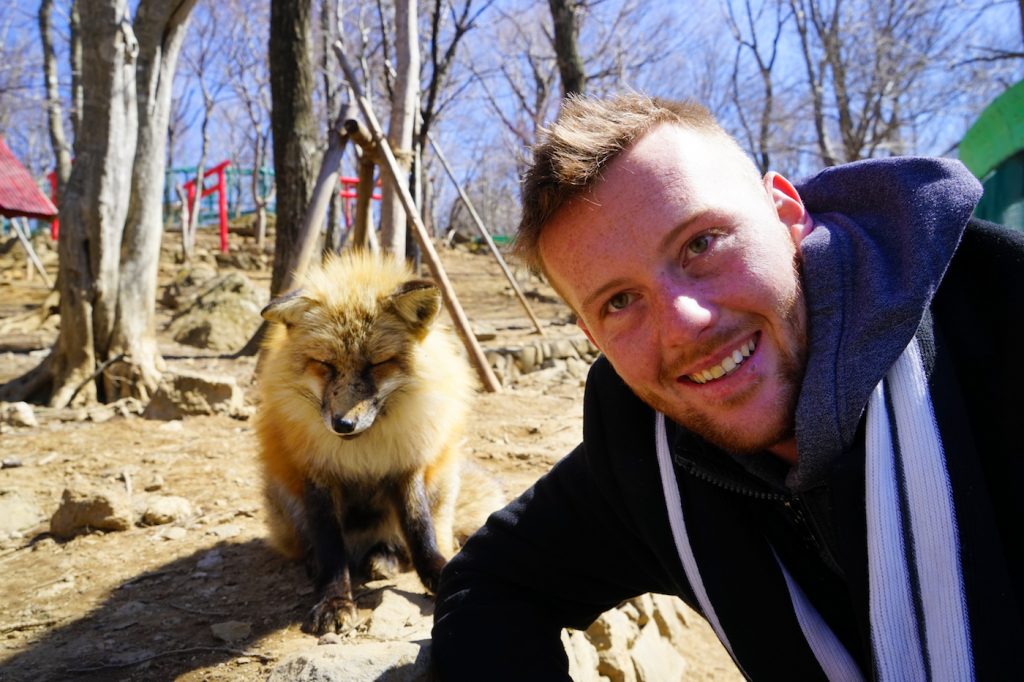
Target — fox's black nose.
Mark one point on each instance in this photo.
(342, 425)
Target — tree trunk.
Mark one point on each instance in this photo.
(160, 28)
(294, 125)
(330, 28)
(403, 121)
(54, 111)
(76, 69)
(94, 206)
(567, 28)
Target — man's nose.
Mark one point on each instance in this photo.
(683, 317)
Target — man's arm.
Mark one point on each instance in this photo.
(556, 557)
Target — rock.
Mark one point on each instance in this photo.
(186, 284)
(358, 662)
(223, 317)
(161, 509)
(526, 358)
(10, 463)
(190, 393)
(612, 635)
(401, 615)
(210, 561)
(582, 656)
(654, 659)
(17, 513)
(231, 631)
(18, 414)
(667, 617)
(484, 332)
(562, 349)
(82, 510)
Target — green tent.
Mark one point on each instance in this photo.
(993, 149)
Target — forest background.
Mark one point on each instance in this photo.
(131, 89)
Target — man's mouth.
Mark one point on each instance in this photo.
(727, 366)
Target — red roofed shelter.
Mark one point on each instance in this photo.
(21, 198)
(19, 195)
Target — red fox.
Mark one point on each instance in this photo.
(363, 406)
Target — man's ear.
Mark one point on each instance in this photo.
(789, 207)
(417, 302)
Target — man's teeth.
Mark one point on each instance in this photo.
(727, 365)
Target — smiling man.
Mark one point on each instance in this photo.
(801, 424)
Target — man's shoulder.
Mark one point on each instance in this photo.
(988, 265)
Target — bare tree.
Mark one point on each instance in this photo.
(107, 261)
(873, 67)
(293, 123)
(757, 133)
(249, 79)
(403, 122)
(54, 109)
(160, 28)
(204, 57)
(565, 16)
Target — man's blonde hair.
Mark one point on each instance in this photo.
(588, 134)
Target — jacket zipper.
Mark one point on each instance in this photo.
(792, 502)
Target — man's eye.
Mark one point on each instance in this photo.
(619, 301)
(698, 245)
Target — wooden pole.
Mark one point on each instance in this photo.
(462, 327)
(22, 231)
(486, 235)
(326, 185)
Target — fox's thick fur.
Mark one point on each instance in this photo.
(364, 401)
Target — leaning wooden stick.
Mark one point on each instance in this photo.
(23, 231)
(390, 166)
(486, 235)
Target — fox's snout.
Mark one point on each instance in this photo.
(354, 421)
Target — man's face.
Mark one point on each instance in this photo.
(682, 268)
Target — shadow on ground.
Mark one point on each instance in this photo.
(158, 624)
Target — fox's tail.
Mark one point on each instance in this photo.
(479, 495)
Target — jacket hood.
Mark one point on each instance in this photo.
(884, 233)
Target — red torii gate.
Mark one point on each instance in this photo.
(348, 194)
(221, 188)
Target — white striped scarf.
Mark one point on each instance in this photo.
(918, 613)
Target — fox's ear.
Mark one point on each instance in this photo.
(417, 302)
(287, 309)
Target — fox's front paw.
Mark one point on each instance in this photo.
(332, 614)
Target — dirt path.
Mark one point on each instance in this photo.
(148, 596)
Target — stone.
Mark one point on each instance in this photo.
(484, 332)
(18, 512)
(582, 657)
(223, 317)
(666, 615)
(191, 393)
(231, 631)
(90, 509)
(526, 358)
(210, 561)
(612, 635)
(10, 463)
(401, 615)
(654, 659)
(358, 662)
(162, 509)
(185, 285)
(18, 414)
(562, 349)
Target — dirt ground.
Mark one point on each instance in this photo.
(139, 604)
